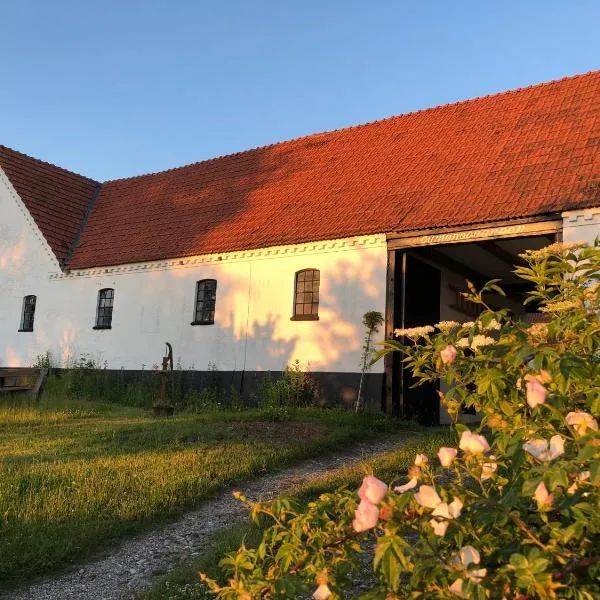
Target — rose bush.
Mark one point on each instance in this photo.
(513, 509)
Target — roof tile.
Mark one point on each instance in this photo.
(56, 198)
(521, 153)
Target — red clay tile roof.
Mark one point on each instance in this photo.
(56, 198)
(521, 153)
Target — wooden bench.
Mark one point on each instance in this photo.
(22, 380)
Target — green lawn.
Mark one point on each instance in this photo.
(78, 475)
(182, 583)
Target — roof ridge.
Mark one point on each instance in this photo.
(48, 164)
(358, 126)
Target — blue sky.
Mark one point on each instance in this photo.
(115, 88)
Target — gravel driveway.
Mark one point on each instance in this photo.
(131, 566)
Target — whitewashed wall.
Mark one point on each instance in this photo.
(154, 303)
(25, 261)
(581, 225)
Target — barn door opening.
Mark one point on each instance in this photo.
(419, 298)
(426, 283)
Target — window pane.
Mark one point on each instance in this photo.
(27, 314)
(206, 296)
(105, 307)
(306, 293)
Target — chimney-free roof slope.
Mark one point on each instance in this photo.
(56, 198)
(522, 153)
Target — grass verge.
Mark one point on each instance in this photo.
(182, 582)
(77, 476)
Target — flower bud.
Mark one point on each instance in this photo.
(448, 354)
(447, 456)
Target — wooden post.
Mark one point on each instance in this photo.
(388, 360)
(401, 406)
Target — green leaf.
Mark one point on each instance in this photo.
(518, 561)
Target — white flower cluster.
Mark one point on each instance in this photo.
(447, 326)
(414, 332)
(557, 248)
(560, 306)
(493, 325)
(477, 342)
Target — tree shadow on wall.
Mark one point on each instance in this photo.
(206, 207)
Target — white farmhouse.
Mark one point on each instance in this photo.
(253, 260)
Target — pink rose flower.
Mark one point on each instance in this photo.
(536, 392)
(372, 489)
(427, 497)
(439, 527)
(473, 443)
(448, 511)
(407, 486)
(468, 555)
(322, 592)
(543, 451)
(476, 575)
(488, 469)
(456, 588)
(421, 460)
(365, 516)
(542, 497)
(447, 456)
(581, 422)
(583, 476)
(448, 354)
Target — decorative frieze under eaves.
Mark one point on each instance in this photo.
(324, 247)
(581, 217)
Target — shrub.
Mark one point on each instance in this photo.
(295, 388)
(372, 320)
(512, 510)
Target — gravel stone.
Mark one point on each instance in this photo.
(132, 564)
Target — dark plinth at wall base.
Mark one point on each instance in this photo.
(333, 388)
(342, 388)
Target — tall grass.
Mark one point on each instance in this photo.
(77, 475)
